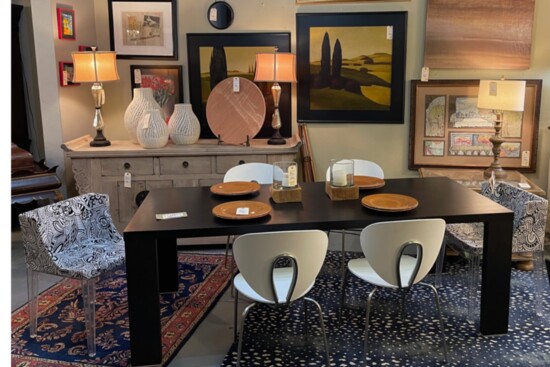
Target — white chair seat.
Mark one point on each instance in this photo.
(282, 278)
(363, 270)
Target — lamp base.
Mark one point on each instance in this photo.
(497, 170)
(100, 140)
(276, 139)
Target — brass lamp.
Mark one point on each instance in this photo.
(277, 68)
(96, 67)
(500, 96)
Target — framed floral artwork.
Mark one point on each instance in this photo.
(164, 80)
(351, 67)
(65, 24)
(66, 71)
(144, 29)
(448, 130)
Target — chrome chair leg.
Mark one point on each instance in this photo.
(367, 321)
(32, 291)
(322, 322)
(240, 347)
(441, 325)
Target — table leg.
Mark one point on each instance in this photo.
(168, 270)
(143, 300)
(496, 274)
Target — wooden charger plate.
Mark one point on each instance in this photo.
(235, 188)
(389, 202)
(368, 182)
(256, 209)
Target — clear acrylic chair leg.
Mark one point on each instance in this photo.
(473, 285)
(89, 298)
(540, 279)
(32, 291)
(439, 265)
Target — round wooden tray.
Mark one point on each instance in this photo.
(235, 188)
(368, 182)
(256, 209)
(234, 116)
(389, 202)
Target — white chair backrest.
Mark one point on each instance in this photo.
(262, 173)
(362, 167)
(255, 252)
(382, 243)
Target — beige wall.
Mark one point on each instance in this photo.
(386, 144)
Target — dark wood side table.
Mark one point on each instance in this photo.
(473, 178)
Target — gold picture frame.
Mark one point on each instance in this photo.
(447, 129)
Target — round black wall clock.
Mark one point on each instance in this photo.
(220, 15)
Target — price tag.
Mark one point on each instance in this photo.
(147, 117)
(137, 76)
(236, 84)
(213, 16)
(425, 76)
(525, 158)
(292, 176)
(242, 211)
(389, 32)
(127, 179)
(171, 215)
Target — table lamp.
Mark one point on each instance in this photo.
(277, 68)
(499, 96)
(96, 67)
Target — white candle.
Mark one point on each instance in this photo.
(339, 178)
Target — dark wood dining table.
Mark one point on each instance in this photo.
(151, 247)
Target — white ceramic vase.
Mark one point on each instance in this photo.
(184, 125)
(143, 101)
(152, 131)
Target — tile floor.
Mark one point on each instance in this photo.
(210, 341)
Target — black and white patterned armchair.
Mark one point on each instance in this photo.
(530, 213)
(73, 238)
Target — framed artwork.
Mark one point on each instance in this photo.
(164, 80)
(472, 34)
(66, 71)
(65, 24)
(351, 67)
(144, 29)
(85, 48)
(214, 57)
(448, 130)
(302, 2)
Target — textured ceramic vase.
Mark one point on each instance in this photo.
(143, 101)
(184, 125)
(152, 131)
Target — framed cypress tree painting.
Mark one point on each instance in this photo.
(351, 67)
(214, 57)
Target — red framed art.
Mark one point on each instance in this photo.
(65, 24)
(66, 70)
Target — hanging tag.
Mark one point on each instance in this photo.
(525, 158)
(147, 117)
(65, 77)
(213, 16)
(236, 84)
(292, 176)
(389, 32)
(425, 76)
(493, 89)
(127, 179)
(137, 76)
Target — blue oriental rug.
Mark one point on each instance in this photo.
(61, 339)
(278, 337)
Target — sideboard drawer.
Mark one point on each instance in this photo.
(117, 166)
(226, 162)
(185, 165)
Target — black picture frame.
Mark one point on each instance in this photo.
(165, 80)
(199, 88)
(157, 19)
(368, 90)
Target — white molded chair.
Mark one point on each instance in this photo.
(386, 263)
(73, 238)
(257, 254)
(530, 213)
(261, 173)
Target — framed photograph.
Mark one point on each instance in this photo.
(351, 67)
(65, 24)
(214, 57)
(164, 80)
(66, 71)
(448, 130)
(144, 29)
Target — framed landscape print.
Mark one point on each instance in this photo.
(448, 130)
(351, 67)
(164, 80)
(65, 24)
(214, 57)
(144, 29)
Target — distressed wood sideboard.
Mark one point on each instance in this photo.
(103, 169)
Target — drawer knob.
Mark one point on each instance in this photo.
(242, 162)
(185, 164)
(127, 165)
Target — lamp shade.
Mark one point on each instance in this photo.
(275, 67)
(94, 66)
(501, 95)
